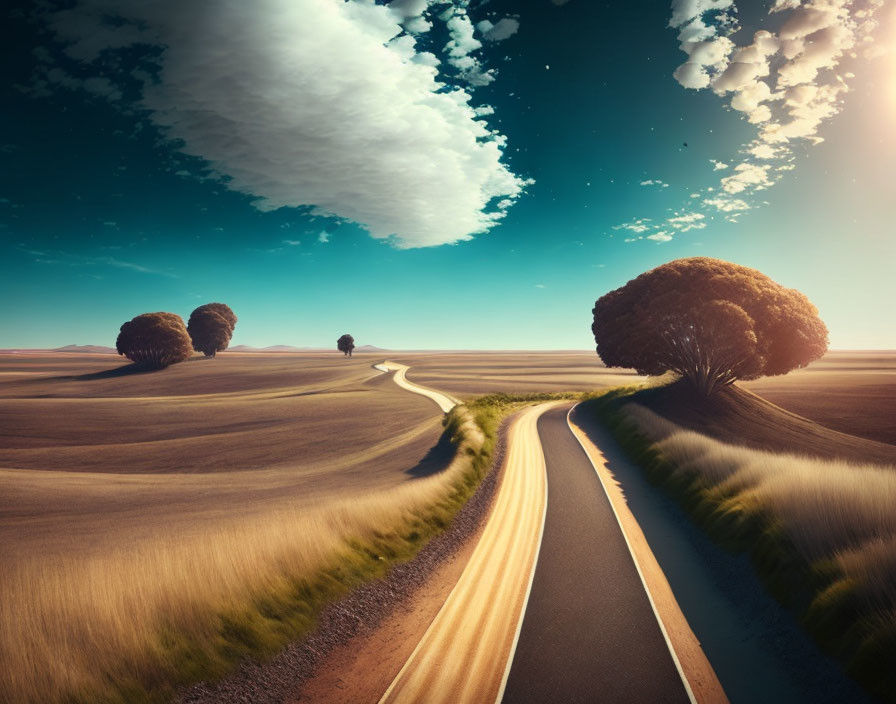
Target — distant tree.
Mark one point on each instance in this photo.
(710, 321)
(154, 340)
(346, 344)
(211, 328)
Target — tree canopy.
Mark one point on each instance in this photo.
(710, 321)
(346, 344)
(154, 340)
(211, 328)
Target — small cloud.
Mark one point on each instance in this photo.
(661, 236)
(323, 237)
(540, 286)
(499, 31)
(78, 260)
(718, 165)
(640, 225)
(654, 182)
(688, 221)
(292, 243)
(727, 205)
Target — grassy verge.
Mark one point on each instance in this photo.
(814, 530)
(136, 626)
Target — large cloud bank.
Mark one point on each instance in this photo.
(319, 103)
(787, 82)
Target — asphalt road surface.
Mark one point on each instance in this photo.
(589, 633)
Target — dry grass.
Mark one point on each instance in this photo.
(155, 527)
(122, 623)
(837, 515)
(825, 507)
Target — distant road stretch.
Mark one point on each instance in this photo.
(443, 401)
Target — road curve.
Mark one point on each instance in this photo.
(589, 632)
(463, 656)
(443, 401)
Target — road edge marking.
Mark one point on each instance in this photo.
(525, 605)
(656, 613)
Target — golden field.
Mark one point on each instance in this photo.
(141, 514)
(143, 504)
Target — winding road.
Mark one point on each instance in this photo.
(551, 606)
(443, 401)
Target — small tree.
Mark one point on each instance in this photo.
(710, 321)
(154, 340)
(211, 328)
(346, 344)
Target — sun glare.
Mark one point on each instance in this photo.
(890, 48)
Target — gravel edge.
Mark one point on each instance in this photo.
(358, 613)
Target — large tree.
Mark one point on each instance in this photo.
(710, 321)
(154, 340)
(346, 344)
(211, 328)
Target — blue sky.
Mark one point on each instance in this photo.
(157, 158)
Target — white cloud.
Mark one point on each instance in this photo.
(747, 175)
(461, 46)
(706, 59)
(787, 82)
(761, 150)
(661, 236)
(727, 205)
(407, 9)
(292, 243)
(654, 182)
(499, 31)
(321, 104)
(686, 10)
(686, 222)
(640, 225)
(323, 237)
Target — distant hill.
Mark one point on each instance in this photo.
(86, 349)
(272, 348)
(291, 348)
(68, 349)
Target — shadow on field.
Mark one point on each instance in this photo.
(124, 370)
(436, 459)
(756, 647)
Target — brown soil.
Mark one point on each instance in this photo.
(469, 374)
(853, 392)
